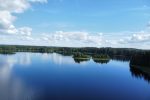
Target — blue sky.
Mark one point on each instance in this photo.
(79, 23)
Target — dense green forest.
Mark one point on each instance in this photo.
(135, 56)
(70, 50)
(101, 57)
(80, 56)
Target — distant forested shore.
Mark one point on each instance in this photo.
(70, 50)
(137, 57)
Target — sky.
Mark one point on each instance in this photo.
(76, 23)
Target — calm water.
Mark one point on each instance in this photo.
(34, 76)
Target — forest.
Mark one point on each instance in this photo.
(137, 57)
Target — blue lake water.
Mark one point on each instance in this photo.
(35, 76)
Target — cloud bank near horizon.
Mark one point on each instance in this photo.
(10, 34)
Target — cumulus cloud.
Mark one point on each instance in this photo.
(74, 36)
(136, 38)
(6, 19)
(6, 23)
(26, 31)
(7, 8)
(16, 6)
(82, 39)
(139, 39)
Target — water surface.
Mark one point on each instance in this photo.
(35, 76)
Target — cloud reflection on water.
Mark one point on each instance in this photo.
(59, 59)
(20, 78)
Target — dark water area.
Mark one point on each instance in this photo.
(35, 76)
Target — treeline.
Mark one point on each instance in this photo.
(81, 56)
(129, 52)
(135, 56)
(19, 48)
(70, 50)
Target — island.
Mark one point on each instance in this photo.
(80, 57)
(101, 58)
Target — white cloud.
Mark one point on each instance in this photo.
(26, 31)
(10, 34)
(6, 19)
(73, 37)
(82, 39)
(139, 40)
(7, 8)
(140, 37)
(16, 6)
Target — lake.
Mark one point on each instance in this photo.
(37, 76)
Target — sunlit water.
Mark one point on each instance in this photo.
(35, 76)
